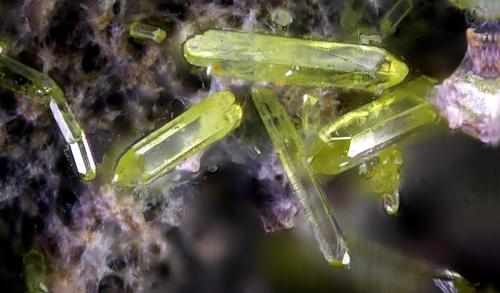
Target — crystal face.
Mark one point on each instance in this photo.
(394, 16)
(357, 135)
(144, 31)
(200, 126)
(281, 17)
(294, 61)
(468, 99)
(42, 89)
(306, 186)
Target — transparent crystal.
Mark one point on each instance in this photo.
(394, 16)
(306, 186)
(194, 130)
(357, 135)
(281, 17)
(144, 31)
(294, 61)
(486, 9)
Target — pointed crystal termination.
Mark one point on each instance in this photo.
(393, 17)
(144, 31)
(357, 135)
(35, 272)
(383, 175)
(28, 82)
(294, 61)
(200, 126)
(42, 89)
(291, 151)
(75, 138)
(310, 117)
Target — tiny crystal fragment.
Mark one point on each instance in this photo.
(281, 17)
(311, 117)
(352, 14)
(294, 61)
(200, 126)
(306, 186)
(355, 136)
(468, 99)
(42, 89)
(144, 31)
(393, 17)
(35, 272)
(382, 175)
(75, 138)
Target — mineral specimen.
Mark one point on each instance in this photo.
(382, 175)
(468, 99)
(35, 272)
(357, 135)
(144, 31)
(294, 61)
(200, 126)
(352, 14)
(394, 16)
(310, 116)
(40, 88)
(291, 151)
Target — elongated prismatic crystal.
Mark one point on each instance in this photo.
(357, 135)
(200, 126)
(35, 272)
(42, 89)
(306, 186)
(294, 61)
(394, 16)
(144, 31)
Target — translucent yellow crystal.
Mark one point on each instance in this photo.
(35, 272)
(357, 135)
(144, 31)
(294, 61)
(200, 126)
(281, 17)
(382, 174)
(306, 186)
(310, 117)
(394, 16)
(42, 89)
(352, 14)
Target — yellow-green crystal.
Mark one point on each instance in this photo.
(352, 14)
(486, 9)
(281, 17)
(382, 174)
(144, 31)
(42, 89)
(35, 272)
(294, 61)
(200, 126)
(306, 186)
(357, 135)
(310, 117)
(394, 16)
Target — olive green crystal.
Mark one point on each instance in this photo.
(382, 174)
(40, 88)
(306, 186)
(200, 126)
(35, 272)
(353, 13)
(294, 61)
(394, 16)
(357, 135)
(144, 31)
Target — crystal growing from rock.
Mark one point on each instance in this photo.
(144, 31)
(291, 151)
(294, 61)
(200, 126)
(393, 17)
(35, 272)
(357, 135)
(42, 89)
